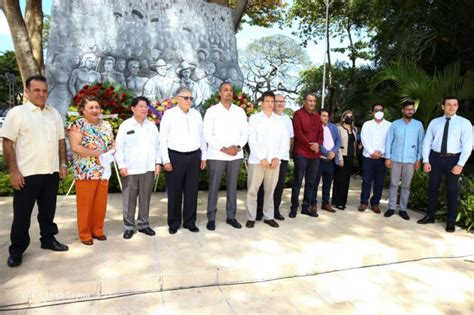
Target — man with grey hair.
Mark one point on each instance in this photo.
(183, 153)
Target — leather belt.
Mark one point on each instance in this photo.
(445, 154)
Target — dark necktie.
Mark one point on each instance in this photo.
(444, 143)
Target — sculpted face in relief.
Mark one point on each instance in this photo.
(152, 47)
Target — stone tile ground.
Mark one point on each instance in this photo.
(342, 263)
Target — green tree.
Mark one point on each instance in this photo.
(432, 33)
(346, 20)
(411, 82)
(359, 98)
(27, 35)
(273, 63)
(8, 64)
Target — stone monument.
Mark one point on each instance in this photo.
(152, 47)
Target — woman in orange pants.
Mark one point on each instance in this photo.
(90, 137)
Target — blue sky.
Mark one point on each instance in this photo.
(244, 37)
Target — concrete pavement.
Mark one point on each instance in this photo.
(308, 265)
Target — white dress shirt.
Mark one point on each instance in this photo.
(224, 127)
(182, 132)
(290, 134)
(459, 138)
(268, 138)
(137, 146)
(373, 136)
(36, 134)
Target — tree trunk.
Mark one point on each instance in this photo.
(330, 85)
(21, 40)
(239, 12)
(34, 25)
(353, 58)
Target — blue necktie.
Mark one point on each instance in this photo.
(444, 143)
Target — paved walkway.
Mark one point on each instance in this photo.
(345, 263)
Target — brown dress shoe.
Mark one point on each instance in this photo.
(100, 238)
(375, 209)
(362, 207)
(272, 223)
(313, 208)
(250, 224)
(88, 242)
(328, 208)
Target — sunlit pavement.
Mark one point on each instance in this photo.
(346, 262)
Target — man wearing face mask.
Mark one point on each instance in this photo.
(373, 135)
(402, 156)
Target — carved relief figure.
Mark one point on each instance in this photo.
(184, 72)
(159, 87)
(110, 74)
(134, 81)
(85, 74)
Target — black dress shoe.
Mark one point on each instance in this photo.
(250, 224)
(14, 260)
(404, 215)
(148, 231)
(192, 228)
(211, 225)
(234, 223)
(389, 213)
(278, 216)
(172, 231)
(340, 207)
(450, 227)
(54, 245)
(310, 213)
(426, 219)
(272, 223)
(259, 216)
(292, 214)
(128, 234)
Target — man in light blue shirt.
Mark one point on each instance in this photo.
(403, 156)
(446, 148)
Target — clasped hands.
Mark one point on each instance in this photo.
(233, 150)
(274, 164)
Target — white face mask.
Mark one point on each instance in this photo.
(378, 115)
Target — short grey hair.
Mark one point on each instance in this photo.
(279, 94)
(183, 89)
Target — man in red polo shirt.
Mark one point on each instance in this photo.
(308, 138)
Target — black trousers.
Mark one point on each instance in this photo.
(307, 168)
(40, 189)
(442, 165)
(183, 180)
(326, 171)
(278, 190)
(342, 180)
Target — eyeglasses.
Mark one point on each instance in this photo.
(187, 98)
(378, 110)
